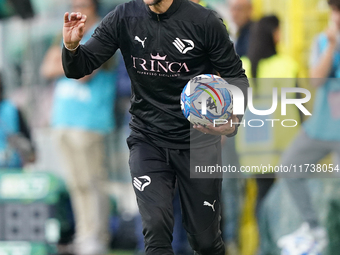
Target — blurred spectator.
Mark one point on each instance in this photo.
(262, 62)
(16, 147)
(241, 11)
(267, 69)
(320, 133)
(82, 116)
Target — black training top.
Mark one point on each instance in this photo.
(162, 52)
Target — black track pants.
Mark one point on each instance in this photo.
(154, 171)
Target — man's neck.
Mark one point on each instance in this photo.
(161, 7)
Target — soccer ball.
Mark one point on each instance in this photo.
(206, 89)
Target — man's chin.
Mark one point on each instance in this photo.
(152, 2)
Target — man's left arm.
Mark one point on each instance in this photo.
(226, 62)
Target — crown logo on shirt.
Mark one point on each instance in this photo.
(158, 57)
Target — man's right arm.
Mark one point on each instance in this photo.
(96, 51)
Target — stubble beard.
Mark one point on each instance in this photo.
(155, 2)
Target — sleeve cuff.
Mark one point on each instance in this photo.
(236, 127)
(234, 133)
(72, 50)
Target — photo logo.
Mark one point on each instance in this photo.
(238, 104)
(238, 100)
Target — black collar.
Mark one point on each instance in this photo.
(172, 9)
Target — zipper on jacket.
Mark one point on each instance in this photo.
(159, 33)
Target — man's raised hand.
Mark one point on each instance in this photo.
(73, 30)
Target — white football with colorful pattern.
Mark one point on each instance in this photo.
(212, 90)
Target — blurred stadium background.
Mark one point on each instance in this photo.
(38, 195)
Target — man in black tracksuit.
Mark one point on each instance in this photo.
(165, 43)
